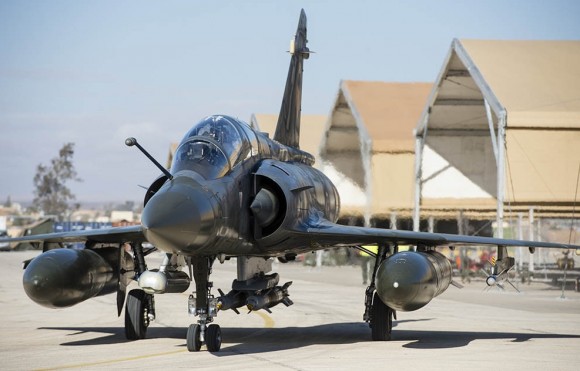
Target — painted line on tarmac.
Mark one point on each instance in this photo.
(118, 360)
(268, 321)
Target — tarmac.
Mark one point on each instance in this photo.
(465, 328)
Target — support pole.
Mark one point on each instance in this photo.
(319, 254)
(491, 130)
(541, 252)
(500, 173)
(419, 142)
(394, 220)
(431, 224)
(462, 252)
(520, 249)
(531, 236)
(460, 223)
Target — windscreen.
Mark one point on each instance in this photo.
(224, 131)
(218, 141)
(204, 157)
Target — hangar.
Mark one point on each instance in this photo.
(368, 143)
(500, 132)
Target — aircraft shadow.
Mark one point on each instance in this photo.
(456, 339)
(292, 337)
(249, 340)
(116, 335)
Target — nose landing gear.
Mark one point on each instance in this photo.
(204, 305)
(198, 334)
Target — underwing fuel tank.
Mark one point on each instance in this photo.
(409, 280)
(64, 277)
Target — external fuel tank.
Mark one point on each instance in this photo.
(408, 280)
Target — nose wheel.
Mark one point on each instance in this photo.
(194, 338)
(212, 338)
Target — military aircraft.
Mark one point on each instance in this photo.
(233, 192)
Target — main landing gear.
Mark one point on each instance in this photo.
(140, 307)
(377, 314)
(204, 305)
(137, 313)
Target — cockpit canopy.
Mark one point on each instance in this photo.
(214, 146)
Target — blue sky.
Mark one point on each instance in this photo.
(96, 72)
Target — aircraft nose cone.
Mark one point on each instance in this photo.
(179, 218)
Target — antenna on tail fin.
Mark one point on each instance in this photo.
(288, 127)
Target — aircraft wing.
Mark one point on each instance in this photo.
(327, 233)
(105, 235)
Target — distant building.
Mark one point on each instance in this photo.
(119, 216)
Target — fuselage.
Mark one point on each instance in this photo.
(235, 191)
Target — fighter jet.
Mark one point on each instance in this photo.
(234, 192)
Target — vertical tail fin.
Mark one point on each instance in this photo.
(288, 127)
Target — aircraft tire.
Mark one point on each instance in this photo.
(136, 315)
(381, 320)
(193, 338)
(213, 338)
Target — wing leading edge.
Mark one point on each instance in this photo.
(106, 235)
(327, 233)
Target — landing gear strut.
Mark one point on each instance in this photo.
(140, 307)
(377, 314)
(203, 305)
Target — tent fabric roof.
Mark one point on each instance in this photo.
(538, 82)
(389, 111)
